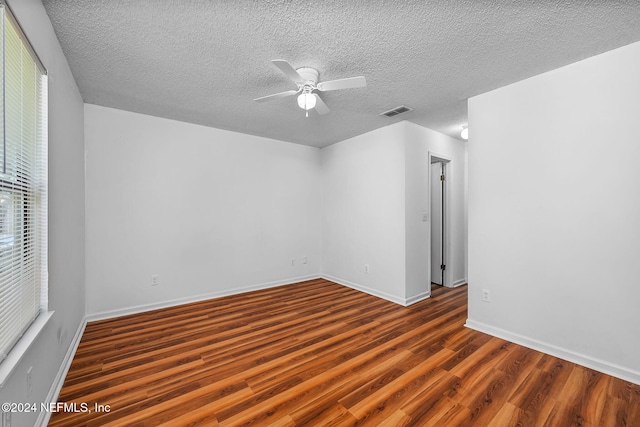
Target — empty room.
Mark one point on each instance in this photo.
(333, 213)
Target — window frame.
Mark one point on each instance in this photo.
(17, 186)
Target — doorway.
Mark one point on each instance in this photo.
(438, 203)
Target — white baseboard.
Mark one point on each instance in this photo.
(562, 353)
(459, 283)
(54, 391)
(366, 290)
(417, 298)
(109, 314)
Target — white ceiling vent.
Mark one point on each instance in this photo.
(398, 110)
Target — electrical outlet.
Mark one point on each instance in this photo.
(155, 280)
(366, 268)
(293, 262)
(29, 381)
(304, 260)
(486, 295)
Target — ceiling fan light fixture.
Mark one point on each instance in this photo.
(306, 101)
(464, 134)
(306, 79)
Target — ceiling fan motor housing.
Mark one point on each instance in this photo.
(310, 76)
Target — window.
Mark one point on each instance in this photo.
(23, 185)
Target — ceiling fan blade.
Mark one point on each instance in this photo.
(276, 96)
(348, 83)
(286, 68)
(321, 107)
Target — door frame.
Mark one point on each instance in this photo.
(448, 252)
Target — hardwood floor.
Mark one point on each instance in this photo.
(317, 353)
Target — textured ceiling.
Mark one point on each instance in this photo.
(204, 61)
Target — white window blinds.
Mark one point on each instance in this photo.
(23, 185)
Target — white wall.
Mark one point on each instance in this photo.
(420, 142)
(553, 236)
(375, 192)
(66, 219)
(363, 212)
(263, 205)
(211, 212)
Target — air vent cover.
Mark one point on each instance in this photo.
(398, 110)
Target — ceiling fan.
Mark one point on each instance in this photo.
(307, 80)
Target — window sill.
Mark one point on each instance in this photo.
(8, 365)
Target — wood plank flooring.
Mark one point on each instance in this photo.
(319, 354)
